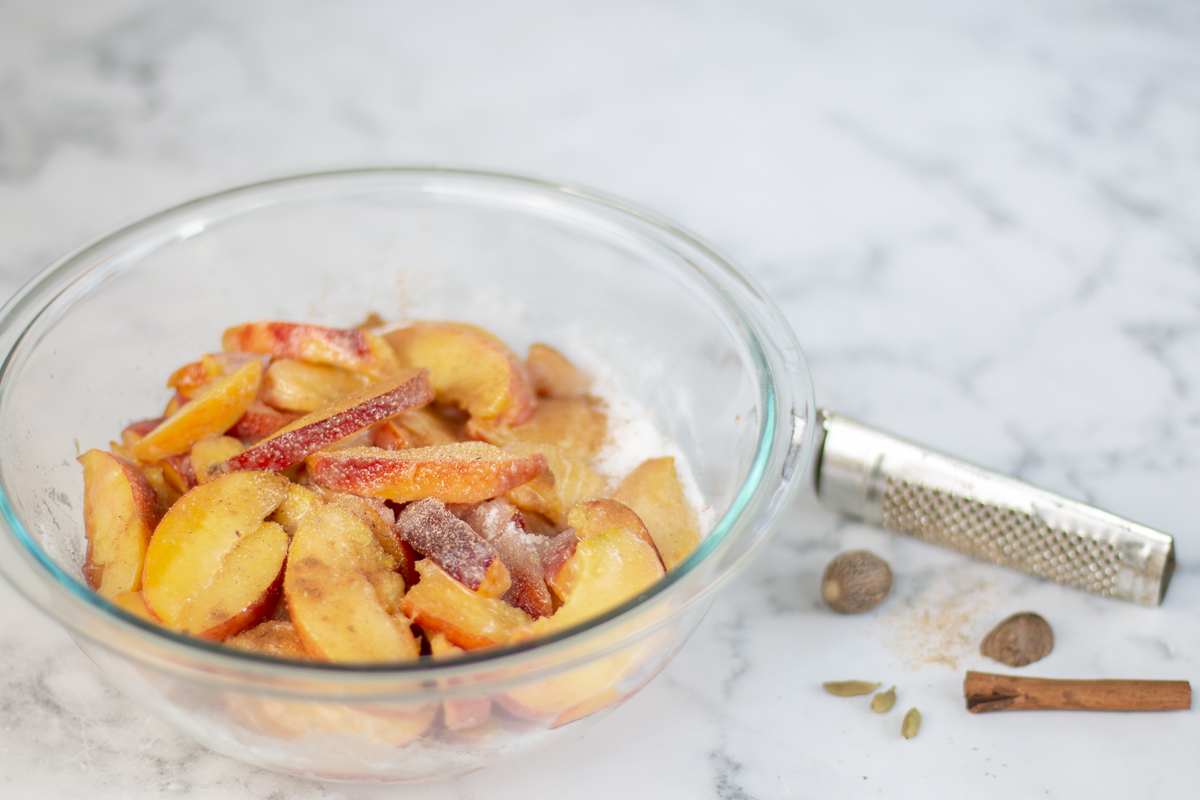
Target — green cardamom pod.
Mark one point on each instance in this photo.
(850, 688)
(911, 724)
(884, 701)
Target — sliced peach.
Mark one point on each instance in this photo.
(614, 560)
(214, 410)
(655, 494)
(425, 427)
(342, 592)
(540, 496)
(439, 535)
(165, 493)
(471, 369)
(339, 419)
(178, 473)
(608, 516)
(502, 525)
(134, 432)
(421, 427)
(210, 452)
(120, 510)
(132, 602)
(467, 472)
(595, 703)
(240, 594)
(293, 385)
(440, 604)
(575, 427)
(552, 375)
(275, 638)
(557, 568)
(298, 503)
(190, 379)
(460, 713)
(280, 718)
(568, 696)
(211, 558)
(353, 349)
(574, 480)
(389, 436)
(176, 402)
(260, 421)
(379, 517)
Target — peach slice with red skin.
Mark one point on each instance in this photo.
(655, 494)
(120, 510)
(213, 565)
(440, 604)
(470, 368)
(467, 472)
(352, 349)
(232, 602)
(260, 421)
(342, 418)
(214, 410)
(343, 592)
(439, 535)
(502, 525)
(552, 375)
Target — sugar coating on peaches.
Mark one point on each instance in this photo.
(378, 494)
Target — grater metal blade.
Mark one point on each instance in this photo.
(885, 480)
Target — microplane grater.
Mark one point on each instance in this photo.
(906, 488)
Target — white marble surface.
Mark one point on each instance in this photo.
(982, 219)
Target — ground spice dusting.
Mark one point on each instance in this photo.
(936, 625)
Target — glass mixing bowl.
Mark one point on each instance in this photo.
(643, 305)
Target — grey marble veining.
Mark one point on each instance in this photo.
(982, 220)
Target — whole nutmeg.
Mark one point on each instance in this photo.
(1019, 640)
(856, 581)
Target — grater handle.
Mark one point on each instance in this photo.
(903, 487)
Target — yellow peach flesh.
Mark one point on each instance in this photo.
(191, 543)
(335, 573)
(470, 368)
(214, 410)
(655, 494)
(119, 514)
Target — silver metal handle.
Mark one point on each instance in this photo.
(879, 478)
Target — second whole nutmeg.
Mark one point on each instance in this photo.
(856, 581)
(1019, 640)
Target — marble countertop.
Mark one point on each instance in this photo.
(982, 220)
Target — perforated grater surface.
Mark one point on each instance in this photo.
(906, 488)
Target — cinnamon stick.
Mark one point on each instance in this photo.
(987, 692)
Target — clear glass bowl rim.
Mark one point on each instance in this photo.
(768, 335)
